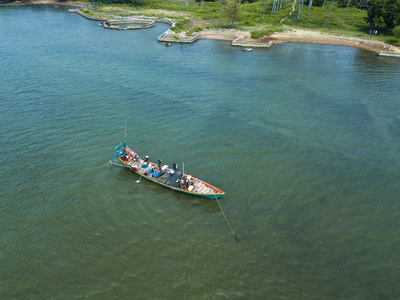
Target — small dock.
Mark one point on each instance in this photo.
(389, 54)
(169, 37)
(131, 23)
(139, 24)
(77, 11)
(238, 43)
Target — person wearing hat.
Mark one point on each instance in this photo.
(159, 164)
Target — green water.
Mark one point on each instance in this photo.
(304, 139)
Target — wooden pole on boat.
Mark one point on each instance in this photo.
(183, 167)
(227, 222)
(113, 163)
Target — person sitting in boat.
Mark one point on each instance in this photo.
(175, 166)
(149, 171)
(159, 164)
(145, 163)
(182, 181)
(133, 155)
(182, 178)
(190, 184)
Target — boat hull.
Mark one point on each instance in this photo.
(199, 188)
(210, 196)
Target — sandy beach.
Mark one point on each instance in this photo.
(301, 36)
(292, 35)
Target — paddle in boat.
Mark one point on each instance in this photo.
(168, 177)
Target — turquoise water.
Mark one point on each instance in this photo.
(304, 139)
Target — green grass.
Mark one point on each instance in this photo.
(354, 23)
(181, 25)
(265, 31)
(396, 32)
(392, 40)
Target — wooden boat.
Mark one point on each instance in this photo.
(162, 175)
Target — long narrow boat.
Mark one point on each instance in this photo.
(162, 175)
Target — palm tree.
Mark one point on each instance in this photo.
(309, 11)
(263, 12)
(344, 14)
(328, 14)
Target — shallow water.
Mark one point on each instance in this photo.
(304, 139)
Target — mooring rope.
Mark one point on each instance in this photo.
(227, 222)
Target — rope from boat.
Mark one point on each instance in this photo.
(120, 165)
(226, 219)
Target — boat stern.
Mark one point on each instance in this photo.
(119, 150)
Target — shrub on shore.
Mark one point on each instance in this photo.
(256, 34)
(181, 25)
(396, 32)
(393, 41)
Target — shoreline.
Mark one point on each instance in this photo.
(301, 36)
(291, 36)
(315, 37)
(44, 2)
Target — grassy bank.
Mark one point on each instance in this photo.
(194, 16)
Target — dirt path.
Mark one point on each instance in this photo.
(293, 7)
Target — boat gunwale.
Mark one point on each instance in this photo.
(219, 193)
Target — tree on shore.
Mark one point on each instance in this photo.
(231, 11)
(383, 14)
(396, 32)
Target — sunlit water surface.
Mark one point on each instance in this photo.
(304, 139)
